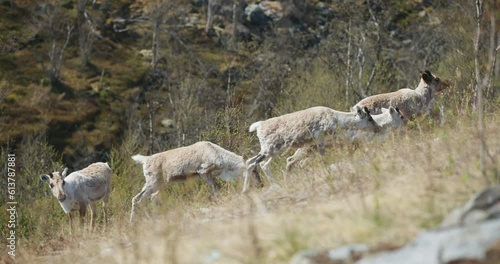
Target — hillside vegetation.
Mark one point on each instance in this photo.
(82, 91)
(85, 81)
(381, 195)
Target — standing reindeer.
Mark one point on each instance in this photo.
(410, 102)
(80, 189)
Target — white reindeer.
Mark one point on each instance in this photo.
(202, 159)
(301, 128)
(390, 119)
(80, 189)
(410, 102)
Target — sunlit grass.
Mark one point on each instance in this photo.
(381, 194)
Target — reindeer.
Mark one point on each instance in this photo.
(80, 189)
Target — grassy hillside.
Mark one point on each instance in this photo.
(315, 53)
(382, 195)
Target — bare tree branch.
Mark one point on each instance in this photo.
(482, 83)
(378, 50)
(348, 75)
(478, 85)
(492, 53)
(210, 15)
(361, 63)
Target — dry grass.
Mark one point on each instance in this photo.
(383, 196)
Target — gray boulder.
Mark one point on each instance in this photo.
(470, 234)
(345, 254)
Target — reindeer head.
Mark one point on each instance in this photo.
(443, 85)
(56, 183)
(397, 118)
(367, 122)
(398, 114)
(434, 82)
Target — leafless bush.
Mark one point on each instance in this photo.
(86, 34)
(51, 21)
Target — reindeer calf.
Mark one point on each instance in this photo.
(80, 189)
(202, 159)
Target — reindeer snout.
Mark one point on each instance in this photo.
(61, 198)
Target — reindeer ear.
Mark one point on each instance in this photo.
(44, 178)
(358, 110)
(427, 76)
(63, 174)
(366, 110)
(392, 110)
(400, 114)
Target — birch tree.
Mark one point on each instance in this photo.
(86, 35)
(483, 80)
(53, 22)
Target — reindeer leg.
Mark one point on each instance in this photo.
(252, 170)
(298, 155)
(105, 211)
(70, 215)
(206, 172)
(267, 171)
(93, 214)
(83, 211)
(260, 184)
(215, 186)
(149, 188)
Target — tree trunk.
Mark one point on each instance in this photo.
(83, 33)
(151, 129)
(235, 23)
(348, 75)
(155, 46)
(478, 91)
(208, 26)
(477, 76)
(56, 56)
